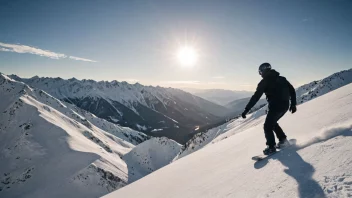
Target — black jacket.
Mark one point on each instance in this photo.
(276, 88)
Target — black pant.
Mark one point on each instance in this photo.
(275, 113)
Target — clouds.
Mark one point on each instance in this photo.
(81, 59)
(25, 49)
(4, 49)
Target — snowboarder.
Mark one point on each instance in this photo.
(278, 93)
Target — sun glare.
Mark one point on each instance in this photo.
(187, 56)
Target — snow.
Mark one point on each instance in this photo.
(141, 128)
(171, 119)
(113, 119)
(49, 148)
(150, 156)
(320, 165)
(45, 144)
(321, 87)
(122, 133)
(156, 130)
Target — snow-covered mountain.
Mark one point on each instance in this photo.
(319, 165)
(219, 96)
(304, 93)
(150, 156)
(317, 88)
(156, 111)
(50, 148)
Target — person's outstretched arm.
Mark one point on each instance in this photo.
(254, 99)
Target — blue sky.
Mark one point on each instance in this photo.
(136, 40)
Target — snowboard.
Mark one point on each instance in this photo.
(262, 156)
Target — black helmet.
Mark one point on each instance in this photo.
(264, 67)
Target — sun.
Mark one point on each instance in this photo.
(187, 56)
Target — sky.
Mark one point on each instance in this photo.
(138, 41)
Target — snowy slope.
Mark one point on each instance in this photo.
(150, 156)
(49, 148)
(321, 87)
(320, 165)
(124, 133)
(143, 108)
(304, 93)
(221, 132)
(46, 153)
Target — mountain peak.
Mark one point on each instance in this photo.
(73, 79)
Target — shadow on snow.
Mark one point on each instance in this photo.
(301, 170)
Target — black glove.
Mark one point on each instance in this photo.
(244, 113)
(293, 109)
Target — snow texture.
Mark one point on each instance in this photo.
(49, 148)
(150, 156)
(320, 165)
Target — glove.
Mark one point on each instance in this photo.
(244, 113)
(293, 109)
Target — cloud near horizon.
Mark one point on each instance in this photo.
(25, 49)
(81, 59)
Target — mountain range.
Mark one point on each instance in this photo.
(156, 111)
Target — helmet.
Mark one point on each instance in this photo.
(264, 67)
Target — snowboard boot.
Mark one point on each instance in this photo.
(282, 143)
(269, 150)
